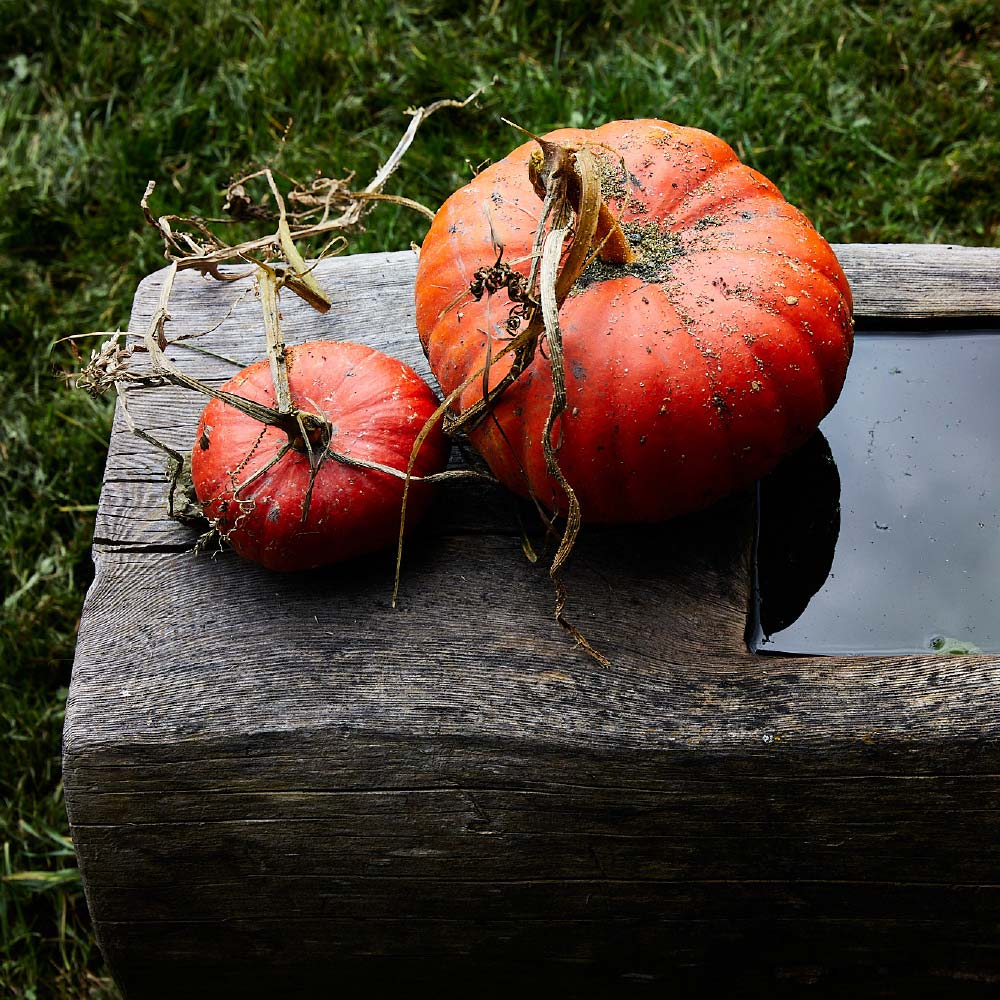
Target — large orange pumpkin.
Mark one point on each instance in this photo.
(689, 372)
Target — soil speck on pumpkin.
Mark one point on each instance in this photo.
(655, 247)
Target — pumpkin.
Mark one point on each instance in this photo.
(255, 483)
(690, 370)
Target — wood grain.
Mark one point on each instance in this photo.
(275, 780)
(904, 281)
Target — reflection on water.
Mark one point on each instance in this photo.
(916, 439)
(797, 539)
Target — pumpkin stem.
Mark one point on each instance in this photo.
(305, 430)
(311, 428)
(609, 239)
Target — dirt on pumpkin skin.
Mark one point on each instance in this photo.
(613, 179)
(655, 248)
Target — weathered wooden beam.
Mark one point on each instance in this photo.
(275, 781)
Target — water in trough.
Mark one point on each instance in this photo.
(890, 519)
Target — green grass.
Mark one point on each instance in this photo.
(879, 120)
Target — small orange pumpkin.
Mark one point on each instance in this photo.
(259, 489)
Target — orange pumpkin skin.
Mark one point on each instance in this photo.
(688, 375)
(377, 406)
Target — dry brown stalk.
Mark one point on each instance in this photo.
(568, 181)
(324, 207)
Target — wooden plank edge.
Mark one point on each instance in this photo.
(921, 281)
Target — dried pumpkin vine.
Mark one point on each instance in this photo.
(323, 207)
(567, 179)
